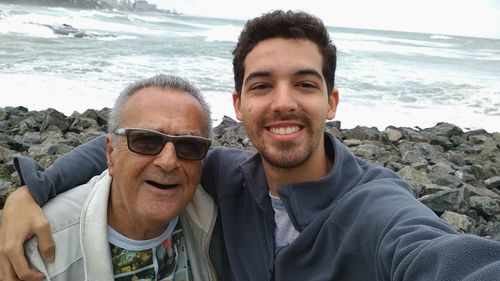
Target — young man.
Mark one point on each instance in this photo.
(304, 208)
(145, 217)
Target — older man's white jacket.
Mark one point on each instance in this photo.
(78, 219)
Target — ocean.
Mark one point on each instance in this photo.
(73, 60)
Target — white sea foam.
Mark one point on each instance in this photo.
(39, 92)
(138, 18)
(382, 115)
(441, 37)
(386, 39)
(26, 29)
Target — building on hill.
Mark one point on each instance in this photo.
(112, 3)
(142, 5)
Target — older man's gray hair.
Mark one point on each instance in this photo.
(161, 81)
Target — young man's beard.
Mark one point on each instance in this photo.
(285, 157)
(288, 155)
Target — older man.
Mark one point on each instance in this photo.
(145, 217)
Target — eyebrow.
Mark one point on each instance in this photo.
(301, 72)
(309, 71)
(256, 74)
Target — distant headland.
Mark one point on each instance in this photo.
(124, 5)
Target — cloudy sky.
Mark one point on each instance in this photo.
(478, 18)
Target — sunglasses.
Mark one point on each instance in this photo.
(151, 142)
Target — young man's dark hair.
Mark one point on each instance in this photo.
(287, 25)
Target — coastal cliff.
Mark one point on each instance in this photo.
(454, 173)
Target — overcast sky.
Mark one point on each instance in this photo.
(478, 18)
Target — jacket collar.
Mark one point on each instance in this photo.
(93, 231)
(255, 180)
(305, 200)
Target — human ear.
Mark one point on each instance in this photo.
(333, 101)
(109, 157)
(237, 105)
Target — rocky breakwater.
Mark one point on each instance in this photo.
(455, 173)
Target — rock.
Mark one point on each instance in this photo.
(333, 124)
(460, 222)
(442, 168)
(415, 178)
(335, 132)
(55, 118)
(6, 171)
(414, 159)
(225, 123)
(485, 205)
(457, 141)
(4, 114)
(6, 155)
(392, 134)
(233, 136)
(90, 135)
(444, 129)
(493, 182)
(444, 179)
(103, 117)
(352, 142)
(456, 200)
(481, 172)
(492, 230)
(465, 174)
(363, 133)
(366, 151)
(481, 191)
(5, 188)
(82, 123)
(31, 138)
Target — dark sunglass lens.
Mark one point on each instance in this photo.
(146, 142)
(190, 148)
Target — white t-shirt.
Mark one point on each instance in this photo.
(285, 233)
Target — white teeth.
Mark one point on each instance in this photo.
(285, 130)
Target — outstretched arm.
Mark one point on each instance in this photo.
(72, 169)
(18, 226)
(22, 216)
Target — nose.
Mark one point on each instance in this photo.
(167, 159)
(283, 99)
